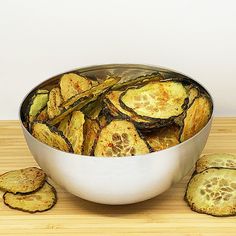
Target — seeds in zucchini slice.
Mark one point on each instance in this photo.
(42, 200)
(156, 100)
(163, 138)
(196, 117)
(120, 138)
(213, 192)
(23, 180)
(51, 136)
(54, 102)
(223, 160)
(38, 101)
(72, 128)
(91, 132)
(72, 84)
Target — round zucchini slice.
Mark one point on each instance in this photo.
(163, 138)
(42, 200)
(213, 192)
(196, 117)
(51, 136)
(120, 138)
(223, 160)
(23, 180)
(156, 100)
(72, 84)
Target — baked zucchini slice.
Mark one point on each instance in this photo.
(22, 181)
(223, 160)
(196, 117)
(42, 115)
(112, 100)
(77, 102)
(42, 200)
(193, 92)
(72, 84)
(54, 102)
(51, 136)
(93, 109)
(156, 100)
(137, 81)
(37, 103)
(163, 138)
(120, 138)
(72, 128)
(91, 132)
(213, 192)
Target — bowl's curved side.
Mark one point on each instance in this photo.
(118, 180)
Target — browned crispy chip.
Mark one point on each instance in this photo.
(23, 180)
(42, 200)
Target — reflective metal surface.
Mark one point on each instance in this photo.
(117, 180)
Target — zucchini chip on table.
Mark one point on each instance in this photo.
(23, 180)
(72, 84)
(223, 160)
(163, 138)
(42, 200)
(196, 117)
(54, 102)
(213, 192)
(120, 138)
(37, 103)
(51, 136)
(72, 128)
(91, 132)
(156, 100)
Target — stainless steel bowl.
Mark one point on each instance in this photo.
(117, 180)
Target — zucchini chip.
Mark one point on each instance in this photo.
(120, 138)
(139, 80)
(91, 132)
(163, 138)
(42, 200)
(37, 103)
(72, 128)
(93, 109)
(213, 192)
(42, 115)
(193, 92)
(77, 102)
(72, 84)
(113, 104)
(51, 136)
(196, 117)
(54, 102)
(156, 100)
(23, 180)
(223, 160)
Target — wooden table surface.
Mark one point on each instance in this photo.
(166, 214)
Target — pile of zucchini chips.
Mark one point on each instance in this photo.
(27, 190)
(115, 119)
(212, 188)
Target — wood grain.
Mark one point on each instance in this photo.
(166, 214)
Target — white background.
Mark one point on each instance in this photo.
(41, 38)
